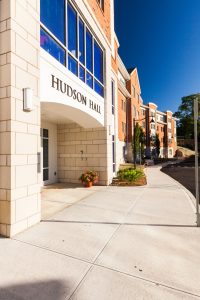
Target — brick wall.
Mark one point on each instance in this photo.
(103, 16)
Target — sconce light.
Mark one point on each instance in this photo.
(28, 99)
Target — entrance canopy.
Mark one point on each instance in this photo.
(61, 114)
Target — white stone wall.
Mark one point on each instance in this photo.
(80, 150)
(20, 131)
(120, 159)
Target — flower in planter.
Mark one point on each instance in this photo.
(89, 176)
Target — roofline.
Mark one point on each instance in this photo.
(122, 68)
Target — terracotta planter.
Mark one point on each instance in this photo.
(87, 184)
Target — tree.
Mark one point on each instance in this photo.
(138, 141)
(157, 145)
(185, 115)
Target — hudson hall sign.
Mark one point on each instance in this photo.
(64, 88)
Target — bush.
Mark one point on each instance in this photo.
(130, 174)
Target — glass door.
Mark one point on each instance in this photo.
(45, 140)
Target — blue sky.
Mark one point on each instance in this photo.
(161, 38)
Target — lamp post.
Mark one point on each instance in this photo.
(196, 113)
(134, 137)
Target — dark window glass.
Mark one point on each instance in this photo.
(98, 88)
(113, 96)
(89, 59)
(89, 80)
(53, 17)
(113, 152)
(98, 62)
(72, 65)
(45, 153)
(45, 174)
(51, 46)
(81, 42)
(45, 133)
(82, 73)
(72, 29)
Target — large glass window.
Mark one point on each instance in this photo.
(98, 62)
(53, 17)
(72, 29)
(51, 46)
(89, 58)
(81, 42)
(72, 65)
(81, 52)
(113, 96)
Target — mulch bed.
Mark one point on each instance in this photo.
(139, 182)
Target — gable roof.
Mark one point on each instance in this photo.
(130, 70)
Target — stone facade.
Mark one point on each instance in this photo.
(20, 131)
(80, 150)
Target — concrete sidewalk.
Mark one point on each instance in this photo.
(120, 243)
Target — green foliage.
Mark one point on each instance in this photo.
(89, 176)
(157, 144)
(185, 126)
(139, 139)
(130, 174)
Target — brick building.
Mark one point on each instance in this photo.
(67, 101)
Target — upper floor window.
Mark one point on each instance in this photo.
(81, 52)
(113, 96)
(133, 91)
(101, 3)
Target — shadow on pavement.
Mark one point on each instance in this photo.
(42, 290)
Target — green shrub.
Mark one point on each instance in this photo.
(130, 174)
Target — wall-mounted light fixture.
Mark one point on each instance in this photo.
(27, 99)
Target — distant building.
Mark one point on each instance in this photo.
(67, 102)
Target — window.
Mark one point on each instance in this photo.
(101, 3)
(81, 42)
(98, 62)
(51, 46)
(53, 17)
(113, 96)
(153, 126)
(72, 29)
(134, 111)
(113, 152)
(138, 96)
(125, 106)
(72, 65)
(123, 127)
(133, 91)
(81, 52)
(89, 54)
(122, 105)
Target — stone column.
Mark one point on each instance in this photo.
(20, 204)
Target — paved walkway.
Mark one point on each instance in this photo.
(116, 244)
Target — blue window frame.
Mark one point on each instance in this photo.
(81, 73)
(52, 47)
(98, 88)
(72, 29)
(81, 42)
(72, 65)
(89, 80)
(80, 52)
(89, 54)
(98, 62)
(53, 17)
